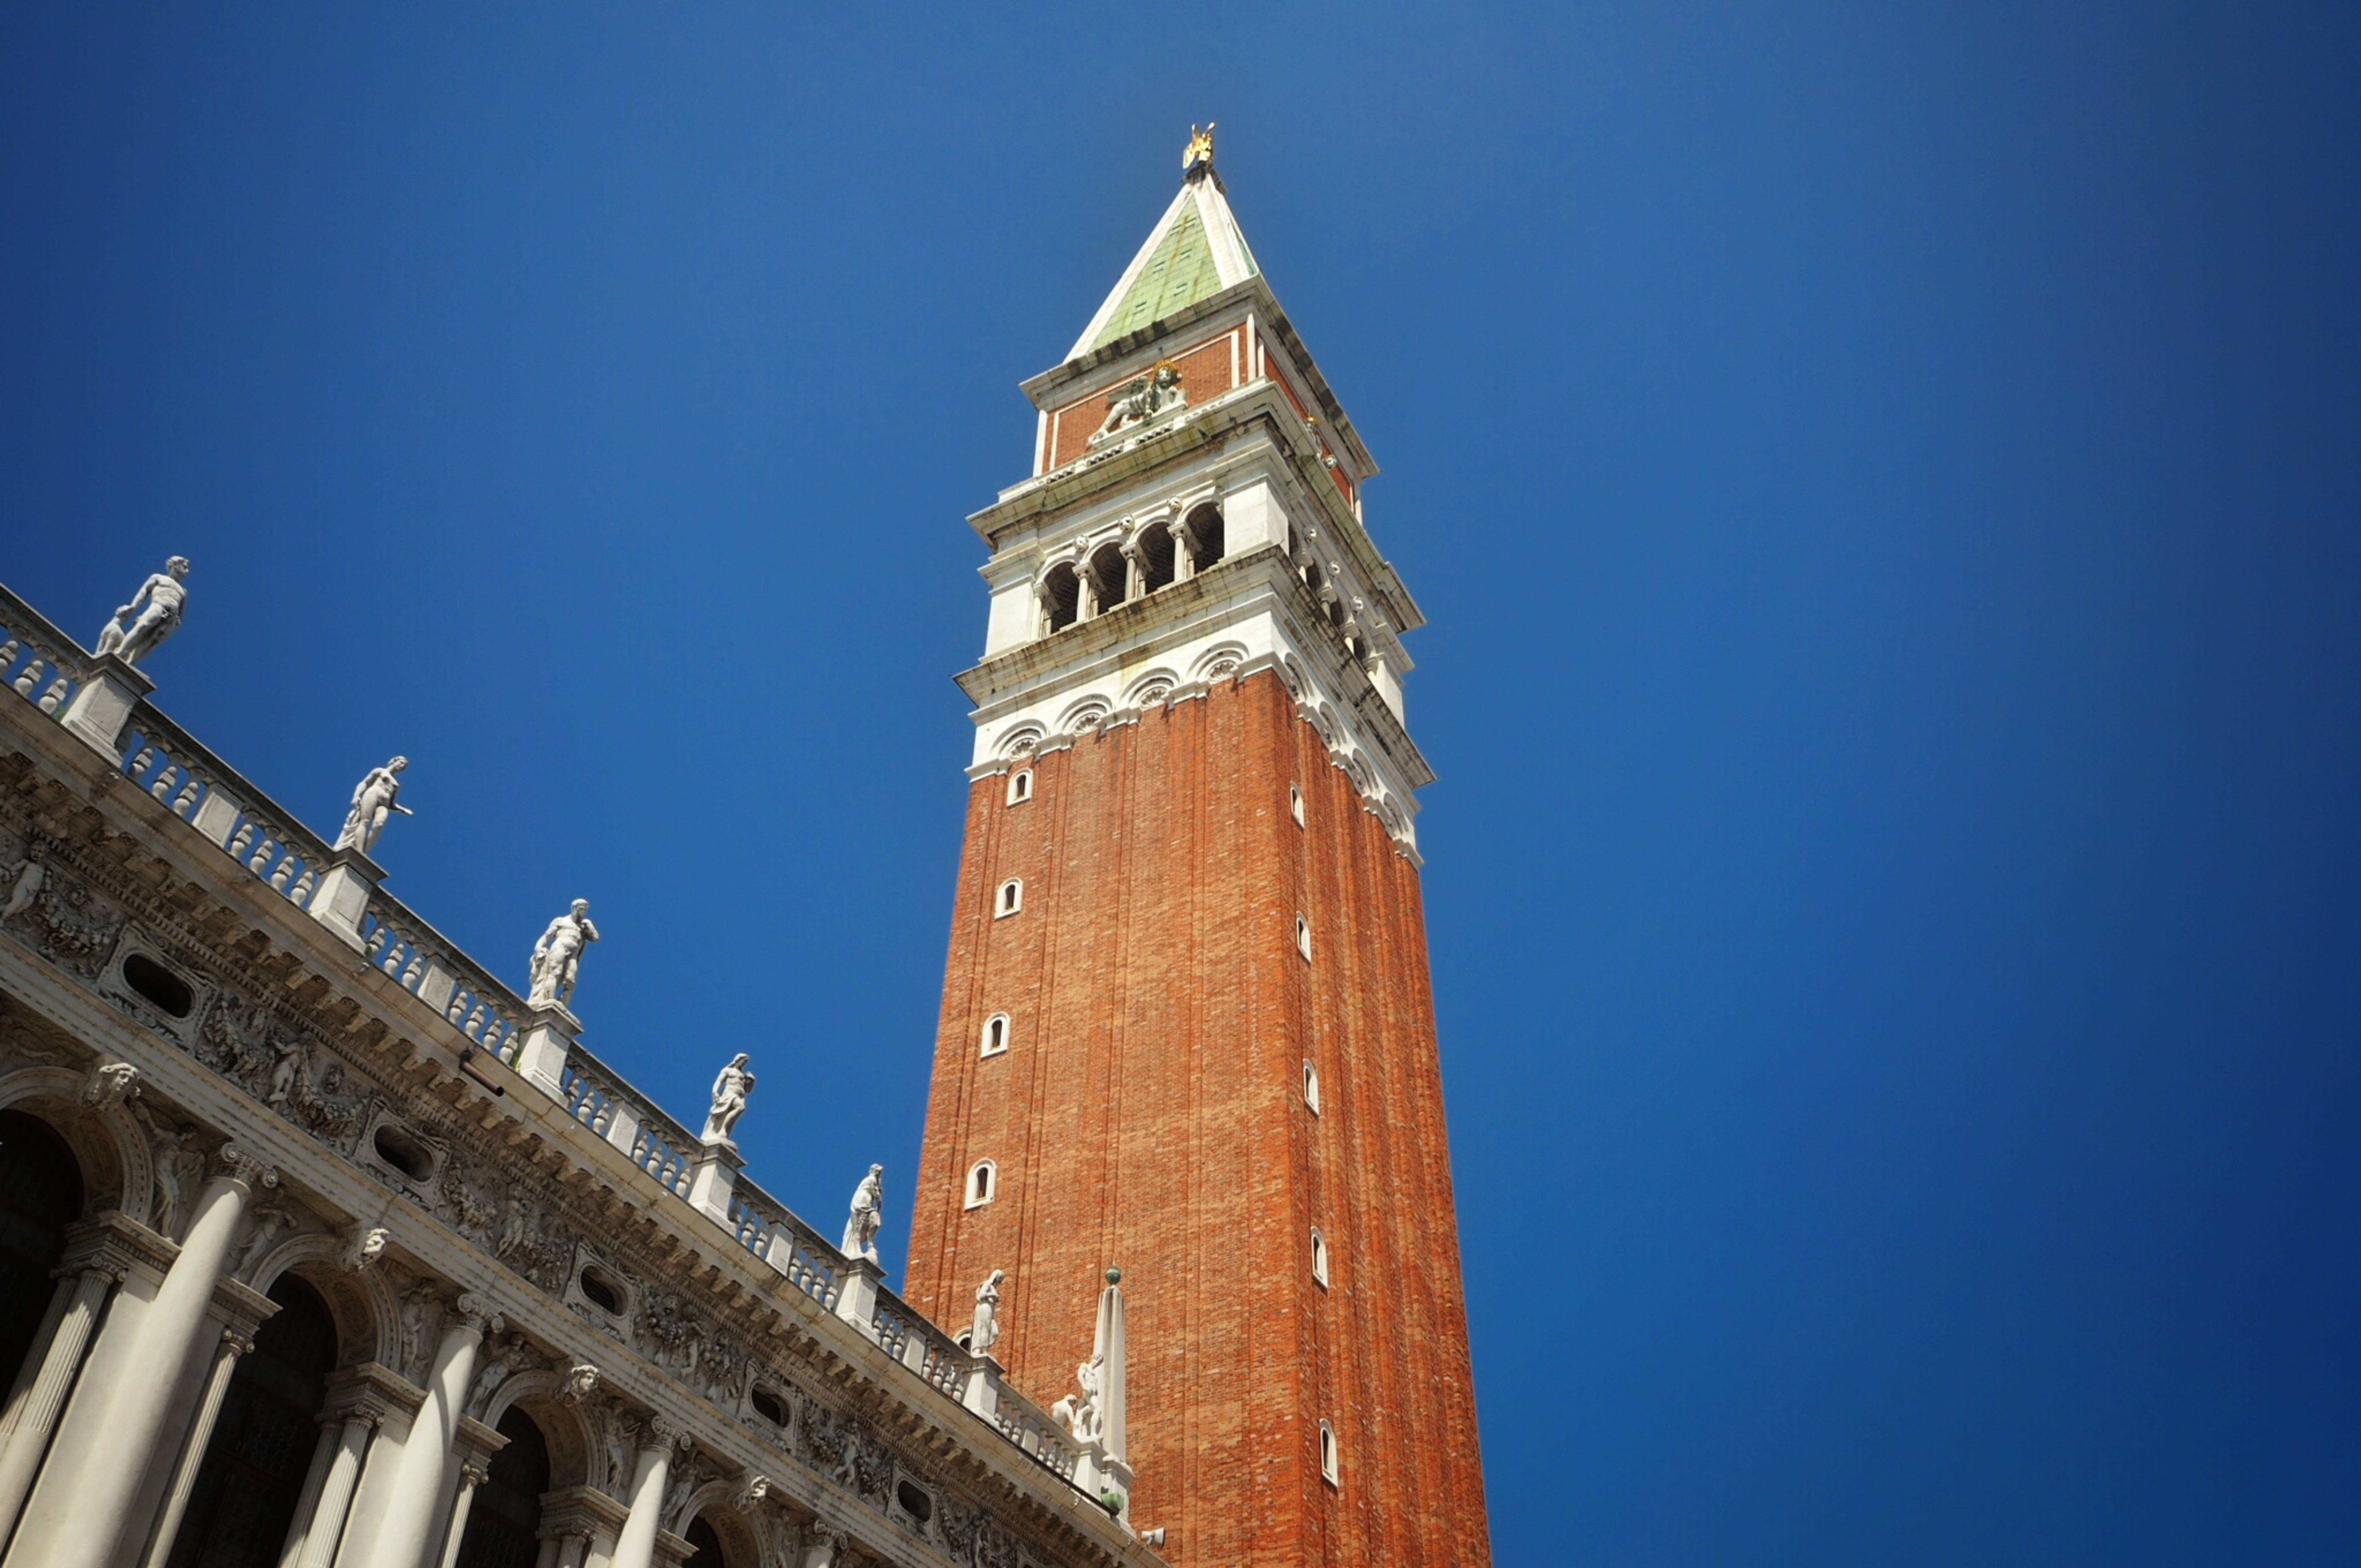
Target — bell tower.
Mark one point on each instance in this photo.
(1186, 1025)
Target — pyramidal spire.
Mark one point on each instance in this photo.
(1196, 250)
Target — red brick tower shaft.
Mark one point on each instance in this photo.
(1186, 1023)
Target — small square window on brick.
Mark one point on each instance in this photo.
(1009, 899)
(995, 1035)
(1020, 787)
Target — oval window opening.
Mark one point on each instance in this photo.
(159, 984)
(404, 1152)
(603, 1292)
(767, 1405)
(915, 1503)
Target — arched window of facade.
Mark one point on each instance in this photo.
(995, 1035)
(1304, 938)
(1010, 899)
(40, 1195)
(505, 1517)
(705, 1546)
(1020, 787)
(252, 1476)
(1328, 1467)
(1319, 1258)
(983, 1179)
(1312, 1087)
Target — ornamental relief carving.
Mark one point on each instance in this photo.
(74, 918)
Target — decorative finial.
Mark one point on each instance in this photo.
(1114, 1275)
(1200, 154)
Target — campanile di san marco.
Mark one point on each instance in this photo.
(1187, 1028)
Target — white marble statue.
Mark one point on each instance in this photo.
(730, 1091)
(366, 1247)
(373, 807)
(1079, 1412)
(558, 957)
(986, 1332)
(868, 1215)
(135, 632)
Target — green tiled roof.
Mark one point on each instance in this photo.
(1180, 273)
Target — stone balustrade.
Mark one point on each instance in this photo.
(38, 662)
(432, 968)
(238, 818)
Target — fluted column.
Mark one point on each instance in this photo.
(37, 1413)
(311, 1540)
(82, 1524)
(471, 1475)
(636, 1546)
(411, 1511)
(192, 1452)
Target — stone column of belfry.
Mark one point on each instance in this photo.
(472, 1474)
(1154, 1103)
(82, 1505)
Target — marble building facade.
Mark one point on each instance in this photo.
(322, 1247)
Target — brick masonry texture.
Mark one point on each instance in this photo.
(1149, 1113)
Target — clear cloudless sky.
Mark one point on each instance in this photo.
(1883, 483)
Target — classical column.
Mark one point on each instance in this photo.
(471, 1475)
(172, 1334)
(311, 1539)
(411, 1513)
(636, 1546)
(37, 1413)
(192, 1452)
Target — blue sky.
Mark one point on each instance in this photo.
(1883, 484)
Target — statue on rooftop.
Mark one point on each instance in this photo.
(986, 1332)
(1079, 1412)
(133, 632)
(373, 806)
(730, 1091)
(1200, 150)
(868, 1215)
(558, 957)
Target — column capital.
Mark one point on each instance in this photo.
(478, 1313)
(113, 1243)
(665, 1433)
(233, 1163)
(372, 1392)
